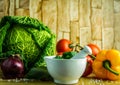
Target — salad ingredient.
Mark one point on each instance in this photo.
(66, 55)
(12, 67)
(107, 64)
(63, 45)
(58, 57)
(26, 36)
(88, 69)
(95, 48)
(39, 74)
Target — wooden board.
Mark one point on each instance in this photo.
(82, 81)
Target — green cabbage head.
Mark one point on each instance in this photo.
(28, 37)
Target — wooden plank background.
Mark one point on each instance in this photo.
(81, 21)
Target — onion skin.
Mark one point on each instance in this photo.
(12, 67)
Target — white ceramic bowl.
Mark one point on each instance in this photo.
(65, 71)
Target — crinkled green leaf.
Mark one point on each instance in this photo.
(28, 37)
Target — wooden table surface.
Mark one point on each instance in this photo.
(82, 81)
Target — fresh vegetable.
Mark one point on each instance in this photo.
(28, 37)
(95, 49)
(66, 55)
(13, 67)
(88, 69)
(107, 64)
(63, 45)
(39, 74)
(58, 57)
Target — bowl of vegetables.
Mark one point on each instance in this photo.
(64, 69)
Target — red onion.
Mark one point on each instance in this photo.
(12, 67)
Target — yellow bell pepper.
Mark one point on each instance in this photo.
(107, 65)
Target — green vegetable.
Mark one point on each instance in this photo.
(28, 37)
(66, 55)
(39, 74)
(58, 57)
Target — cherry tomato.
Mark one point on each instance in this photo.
(95, 48)
(63, 45)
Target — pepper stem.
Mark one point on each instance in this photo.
(107, 65)
(92, 56)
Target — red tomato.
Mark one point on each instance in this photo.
(89, 60)
(95, 49)
(88, 69)
(63, 45)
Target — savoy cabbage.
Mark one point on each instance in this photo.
(28, 37)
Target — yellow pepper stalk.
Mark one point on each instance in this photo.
(107, 65)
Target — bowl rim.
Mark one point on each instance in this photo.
(52, 58)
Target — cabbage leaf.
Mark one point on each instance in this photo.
(26, 36)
